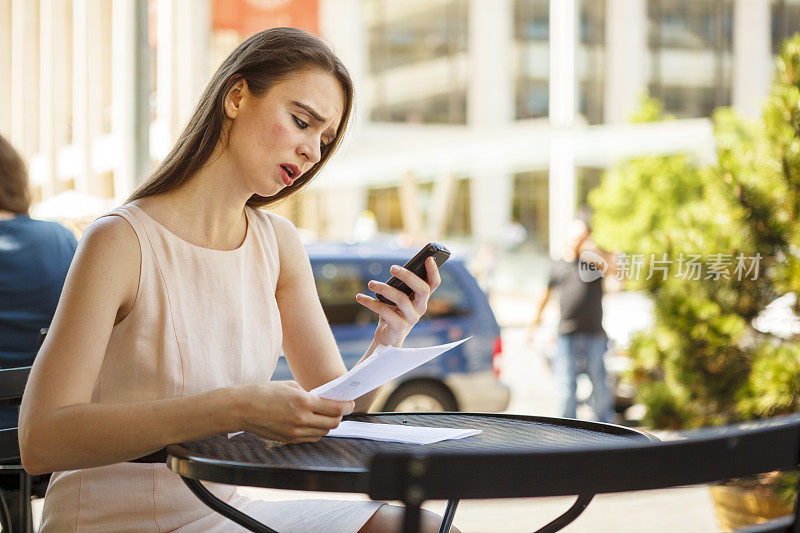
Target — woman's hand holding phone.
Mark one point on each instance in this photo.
(395, 321)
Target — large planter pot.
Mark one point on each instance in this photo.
(737, 507)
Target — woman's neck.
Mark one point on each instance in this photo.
(7, 215)
(202, 212)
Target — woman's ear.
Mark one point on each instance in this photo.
(234, 97)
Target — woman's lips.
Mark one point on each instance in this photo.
(287, 180)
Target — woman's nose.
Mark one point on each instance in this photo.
(310, 151)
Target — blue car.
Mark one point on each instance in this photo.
(462, 379)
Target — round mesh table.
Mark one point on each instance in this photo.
(342, 464)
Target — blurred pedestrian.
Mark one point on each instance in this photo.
(582, 342)
(34, 258)
(179, 303)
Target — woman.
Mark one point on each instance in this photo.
(178, 304)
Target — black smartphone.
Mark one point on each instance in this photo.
(417, 265)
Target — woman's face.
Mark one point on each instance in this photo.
(275, 138)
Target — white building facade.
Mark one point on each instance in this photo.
(472, 116)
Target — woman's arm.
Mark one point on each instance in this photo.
(308, 342)
(59, 427)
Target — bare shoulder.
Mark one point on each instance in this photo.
(110, 227)
(283, 226)
(111, 236)
(109, 253)
(286, 233)
(292, 253)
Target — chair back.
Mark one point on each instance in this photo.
(12, 386)
(12, 382)
(701, 456)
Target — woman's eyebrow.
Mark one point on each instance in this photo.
(311, 112)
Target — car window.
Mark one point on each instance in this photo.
(337, 284)
(449, 299)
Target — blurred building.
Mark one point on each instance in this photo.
(474, 117)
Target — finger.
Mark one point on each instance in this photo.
(422, 290)
(304, 435)
(421, 298)
(314, 424)
(401, 299)
(326, 407)
(387, 312)
(416, 283)
(390, 293)
(434, 279)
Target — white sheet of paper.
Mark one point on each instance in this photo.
(398, 432)
(385, 364)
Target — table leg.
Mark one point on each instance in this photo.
(449, 514)
(26, 489)
(224, 509)
(5, 513)
(411, 518)
(571, 514)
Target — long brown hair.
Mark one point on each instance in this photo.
(15, 196)
(261, 60)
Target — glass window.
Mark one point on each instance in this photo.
(384, 203)
(687, 101)
(693, 24)
(530, 206)
(459, 222)
(449, 299)
(337, 285)
(587, 179)
(590, 60)
(532, 20)
(532, 69)
(533, 98)
(691, 55)
(785, 21)
(450, 108)
(401, 37)
(412, 40)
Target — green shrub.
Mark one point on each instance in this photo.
(703, 363)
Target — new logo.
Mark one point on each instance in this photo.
(591, 266)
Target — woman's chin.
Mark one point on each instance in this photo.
(267, 190)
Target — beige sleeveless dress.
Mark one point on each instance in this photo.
(202, 319)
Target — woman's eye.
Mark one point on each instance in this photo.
(300, 123)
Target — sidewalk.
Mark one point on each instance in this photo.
(683, 509)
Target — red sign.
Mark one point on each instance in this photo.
(251, 16)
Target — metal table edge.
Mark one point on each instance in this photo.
(340, 479)
(589, 425)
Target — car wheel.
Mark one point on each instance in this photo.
(421, 397)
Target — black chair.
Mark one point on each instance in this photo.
(701, 456)
(12, 385)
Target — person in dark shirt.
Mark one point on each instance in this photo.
(578, 278)
(34, 258)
